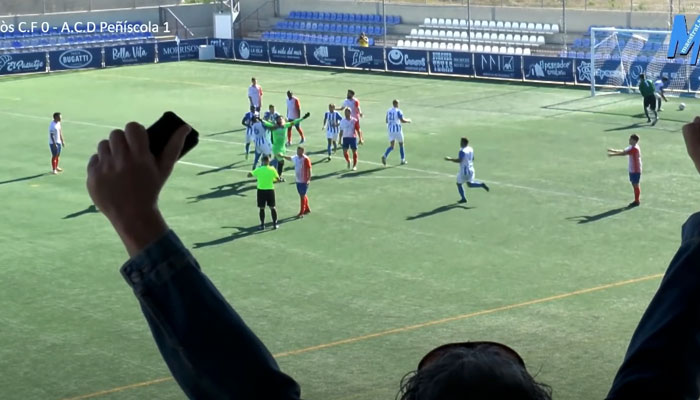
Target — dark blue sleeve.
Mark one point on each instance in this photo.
(663, 357)
(210, 351)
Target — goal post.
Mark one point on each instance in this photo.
(619, 56)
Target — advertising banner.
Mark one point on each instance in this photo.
(289, 53)
(449, 62)
(185, 50)
(549, 69)
(75, 59)
(498, 66)
(130, 54)
(407, 60)
(251, 50)
(222, 48)
(325, 55)
(364, 57)
(22, 63)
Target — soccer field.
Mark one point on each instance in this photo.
(386, 267)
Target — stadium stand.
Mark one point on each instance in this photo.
(328, 27)
(506, 37)
(38, 40)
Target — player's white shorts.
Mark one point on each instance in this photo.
(397, 136)
(657, 95)
(264, 148)
(466, 175)
(331, 134)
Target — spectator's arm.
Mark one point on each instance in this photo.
(663, 357)
(205, 343)
(207, 346)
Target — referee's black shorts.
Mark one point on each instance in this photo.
(650, 102)
(266, 197)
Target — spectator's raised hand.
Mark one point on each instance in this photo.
(124, 180)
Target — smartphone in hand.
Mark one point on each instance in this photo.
(161, 131)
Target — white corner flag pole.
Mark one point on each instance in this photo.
(177, 42)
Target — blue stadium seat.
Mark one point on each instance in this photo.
(326, 28)
(338, 40)
(333, 16)
(315, 15)
(325, 16)
(371, 41)
(314, 26)
(292, 14)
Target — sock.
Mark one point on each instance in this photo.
(57, 159)
(262, 216)
(461, 191)
(347, 158)
(388, 150)
(656, 115)
(306, 203)
(403, 155)
(257, 158)
(354, 159)
(289, 134)
(301, 133)
(637, 193)
(329, 148)
(53, 163)
(303, 205)
(280, 167)
(475, 184)
(274, 215)
(247, 148)
(646, 112)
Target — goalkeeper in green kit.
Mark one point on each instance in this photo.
(279, 137)
(646, 88)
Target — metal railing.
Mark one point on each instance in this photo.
(254, 15)
(677, 6)
(175, 24)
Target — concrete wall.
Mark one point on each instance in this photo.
(576, 20)
(198, 18)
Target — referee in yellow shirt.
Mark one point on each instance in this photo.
(267, 177)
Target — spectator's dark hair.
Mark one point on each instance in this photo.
(467, 374)
(464, 139)
(635, 137)
(641, 77)
(665, 79)
(56, 115)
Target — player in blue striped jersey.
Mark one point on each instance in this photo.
(271, 115)
(394, 119)
(331, 123)
(263, 145)
(247, 121)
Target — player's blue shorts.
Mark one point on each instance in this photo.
(302, 188)
(635, 177)
(55, 150)
(349, 142)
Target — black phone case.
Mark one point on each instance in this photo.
(161, 131)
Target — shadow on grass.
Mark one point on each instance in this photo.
(355, 174)
(225, 167)
(229, 189)
(242, 232)
(225, 132)
(584, 219)
(24, 178)
(90, 210)
(624, 128)
(438, 210)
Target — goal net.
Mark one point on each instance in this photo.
(619, 56)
